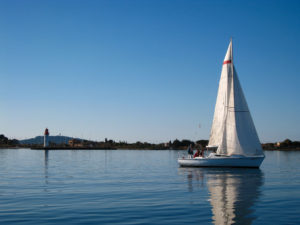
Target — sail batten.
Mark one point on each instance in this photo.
(233, 130)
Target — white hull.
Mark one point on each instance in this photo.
(222, 161)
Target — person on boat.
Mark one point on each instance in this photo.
(190, 150)
(197, 154)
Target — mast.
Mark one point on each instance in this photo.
(231, 49)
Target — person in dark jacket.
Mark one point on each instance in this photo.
(190, 150)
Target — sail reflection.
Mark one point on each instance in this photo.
(233, 192)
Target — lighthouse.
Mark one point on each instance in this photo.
(46, 138)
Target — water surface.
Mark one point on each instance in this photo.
(143, 187)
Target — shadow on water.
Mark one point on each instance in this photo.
(232, 192)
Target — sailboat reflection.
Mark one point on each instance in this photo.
(233, 192)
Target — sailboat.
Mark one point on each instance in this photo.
(233, 133)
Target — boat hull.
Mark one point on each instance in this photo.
(254, 162)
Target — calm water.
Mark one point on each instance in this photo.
(143, 187)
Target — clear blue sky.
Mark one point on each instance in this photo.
(145, 70)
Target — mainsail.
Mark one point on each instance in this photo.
(233, 130)
(218, 121)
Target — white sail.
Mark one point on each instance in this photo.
(219, 115)
(233, 130)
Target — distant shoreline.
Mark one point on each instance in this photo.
(68, 143)
(71, 148)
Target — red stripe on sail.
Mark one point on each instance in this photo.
(226, 62)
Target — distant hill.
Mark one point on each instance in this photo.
(39, 140)
(4, 141)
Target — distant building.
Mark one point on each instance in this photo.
(46, 138)
(278, 144)
(75, 143)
